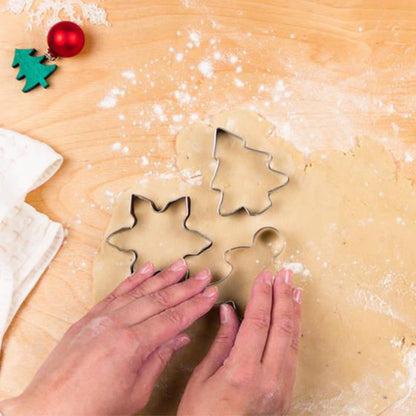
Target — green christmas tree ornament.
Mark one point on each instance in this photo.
(64, 39)
(32, 68)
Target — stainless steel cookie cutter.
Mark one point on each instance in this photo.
(253, 240)
(161, 210)
(219, 131)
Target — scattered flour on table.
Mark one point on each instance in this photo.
(111, 98)
(396, 342)
(130, 75)
(159, 111)
(374, 302)
(238, 83)
(297, 268)
(49, 12)
(233, 59)
(145, 160)
(116, 146)
(408, 157)
(410, 364)
(195, 38)
(200, 74)
(206, 69)
(190, 3)
(217, 55)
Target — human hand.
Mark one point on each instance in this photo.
(250, 369)
(108, 362)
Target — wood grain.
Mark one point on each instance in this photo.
(345, 69)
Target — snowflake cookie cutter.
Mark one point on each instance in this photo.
(164, 208)
(220, 131)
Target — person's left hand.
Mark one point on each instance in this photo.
(108, 362)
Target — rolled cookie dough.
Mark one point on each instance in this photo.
(349, 224)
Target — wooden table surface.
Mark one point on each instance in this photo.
(325, 72)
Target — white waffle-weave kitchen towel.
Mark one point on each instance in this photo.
(28, 239)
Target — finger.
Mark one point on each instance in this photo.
(222, 345)
(292, 356)
(144, 272)
(156, 302)
(281, 329)
(252, 336)
(160, 328)
(165, 278)
(131, 282)
(153, 368)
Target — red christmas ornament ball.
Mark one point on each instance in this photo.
(65, 39)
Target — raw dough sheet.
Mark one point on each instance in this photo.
(349, 225)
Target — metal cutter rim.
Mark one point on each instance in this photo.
(217, 132)
(158, 210)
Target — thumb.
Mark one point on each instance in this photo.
(222, 345)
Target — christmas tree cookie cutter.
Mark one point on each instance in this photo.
(164, 208)
(219, 131)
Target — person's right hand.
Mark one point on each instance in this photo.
(108, 362)
(250, 370)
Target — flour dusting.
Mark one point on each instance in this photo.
(312, 106)
(297, 268)
(373, 302)
(206, 69)
(209, 67)
(192, 177)
(238, 83)
(129, 75)
(190, 3)
(116, 146)
(49, 12)
(409, 362)
(111, 98)
(408, 157)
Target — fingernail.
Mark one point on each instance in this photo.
(231, 303)
(210, 292)
(145, 268)
(224, 313)
(180, 341)
(288, 277)
(280, 277)
(178, 266)
(298, 295)
(203, 274)
(268, 277)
